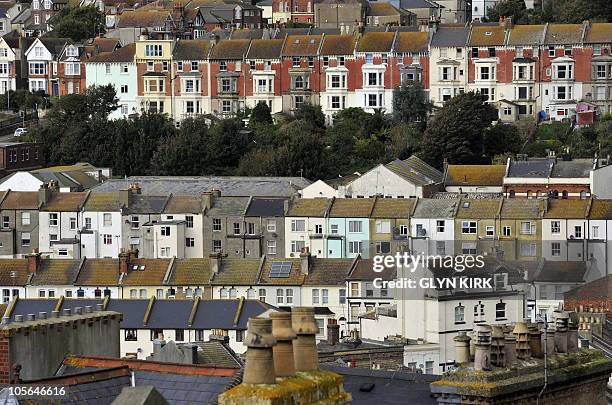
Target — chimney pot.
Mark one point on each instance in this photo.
(67, 312)
(282, 331)
(259, 364)
(99, 307)
(31, 317)
(305, 347)
(42, 315)
(18, 318)
(88, 309)
(55, 314)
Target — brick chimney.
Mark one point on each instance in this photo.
(333, 331)
(33, 261)
(305, 260)
(215, 262)
(124, 262)
(208, 198)
(44, 194)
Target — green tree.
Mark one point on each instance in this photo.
(311, 114)
(78, 23)
(456, 130)
(502, 138)
(509, 8)
(261, 114)
(228, 140)
(410, 104)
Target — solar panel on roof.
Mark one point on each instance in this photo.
(280, 270)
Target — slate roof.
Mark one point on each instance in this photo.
(352, 207)
(416, 171)
(74, 179)
(376, 42)
(32, 306)
(228, 185)
(302, 45)
(382, 9)
(194, 49)
(20, 200)
(393, 208)
(13, 272)
(56, 272)
(408, 4)
(266, 207)
(531, 168)
(475, 175)
(54, 45)
(184, 204)
(308, 207)
(559, 272)
(153, 273)
(526, 35)
(99, 272)
(563, 34)
(110, 201)
(216, 353)
(328, 271)
(65, 202)
(566, 209)
(514, 208)
(190, 272)
(575, 168)
(247, 33)
(601, 209)
(223, 206)
(230, 49)
(478, 209)
(487, 35)
(411, 42)
(237, 272)
(295, 277)
(364, 271)
(265, 49)
(143, 18)
(338, 45)
(220, 314)
(147, 204)
(436, 208)
(599, 33)
(450, 37)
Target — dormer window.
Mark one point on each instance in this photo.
(71, 51)
(223, 66)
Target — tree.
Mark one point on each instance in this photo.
(261, 114)
(311, 114)
(456, 130)
(410, 104)
(509, 8)
(502, 138)
(78, 23)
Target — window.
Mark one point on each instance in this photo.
(355, 226)
(355, 247)
(383, 247)
(298, 225)
(334, 229)
(179, 335)
(216, 245)
(528, 228)
(271, 225)
(5, 221)
(315, 296)
(236, 228)
(107, 239)
(53, 218)
(555, 227)
(25, 218)
(440, 226)
(468, 227)
(595, 232)
(72, 69)
(194, 65)
(318, 229)
(131, 335)
(25, 238)
(271, 247)
(383, 226)
(107, 219)
(62, 252)
(324, 296)
(296, 61)
(490, 230)
(165, 231)
(73, 223)
(528, 249)
(297, 246)
(164, 252)
(507, 231)
(135, 222)
(459, 314)
(153, 50)
(500, 311)
(189, 242)
(280, 296)
(342, 296)
(154, 86)
(555, 249)
(250, 228)
(53, 237)
(578, 231)
(216, 225)
(157, 334)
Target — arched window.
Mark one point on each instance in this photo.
(555, 194)
(97, 293)
(529, 195)
(251, 293)
(233, 293)
(223, 293)
(583, 194)
(511, 194)
(459, 314)
(564, 194)
(198, 292)
(500, 310)
(107, 292)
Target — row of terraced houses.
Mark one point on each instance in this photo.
(552, 71)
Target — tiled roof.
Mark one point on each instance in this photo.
(563, 34)
(601, 209)
(364, 270)
(295, 276)
(328, 271)
(194, 49)
(101, 44)
(56, 272)
(411, 42)
(352, 207)
(13, 272)
(265, 49)
(416, 171)
(237, 272)
(486, 35)
(143, 19)
(190, 272)
(475, 175)
(600, 289)
(124, 54)
(513, 208)
(478, 209)
(566, 209)
(266, 207)
(153, 273)
(104, 202)
(382, 9)
(183, 204)
(393, 207)
(230, 49)
(22, 200)
(247, 33)
(229, 206)
(450, 36)
(147, 204)
(302, 45)
(376, 42)
(311, 207)
(526, 35)
(436, 208)
(99, 272)
(599, 33)
(217, 354)
(61, 202)
(338, 45)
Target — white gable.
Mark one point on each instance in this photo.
(20, 181)
(382, 181)
(38, 51)
(318, 189)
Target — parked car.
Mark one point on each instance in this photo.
(20, 131)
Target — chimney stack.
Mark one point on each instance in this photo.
(482, 356)
(209, 197)
(124, 262)
(333, 332)
(572, 338)
(521, 333)
(215, 262)
(305, 260)
(561, 331)
(259, 364)
(535, 341)
(462, 348)
(33, 261)
(498, 343)
(282, 331)
(44, 194)
(305, 347)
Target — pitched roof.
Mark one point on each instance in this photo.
(265, 49)
(308, 207)
(302, 45)
(143, 18)
(599, 33)
(411, 42)
(393, 208)
(408, 4)
(559, 272)
(183, 204)
(382, 9)
(376, 42)
(475, 175)
(352, 207)
(328, 271)
(218, 354)
(124, 54)
(60, 202)
(478, 209)
(230, 49)
(104, 202)
(514, 208)
(450, 36)
(531, 168)
(416, 171)
(14, 272)
(600, 289)
(99, 272)
(295, 274)
(436, 208)
(190, 272)
(237, 272)
(486, 35)
(526, 35)
(566, 209)
(575, 168)
(266, 207)
(364, 270)
(194, 49)
(563, 34)
(146, 272)
(22, 200)
(247, 33)
(338, 45)
(54, 45)
(147, 204)
(228, 206)
(601, 209)
(56, 272)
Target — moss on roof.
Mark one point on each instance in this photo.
(475, 175)
(308, 207)
(376, 42)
